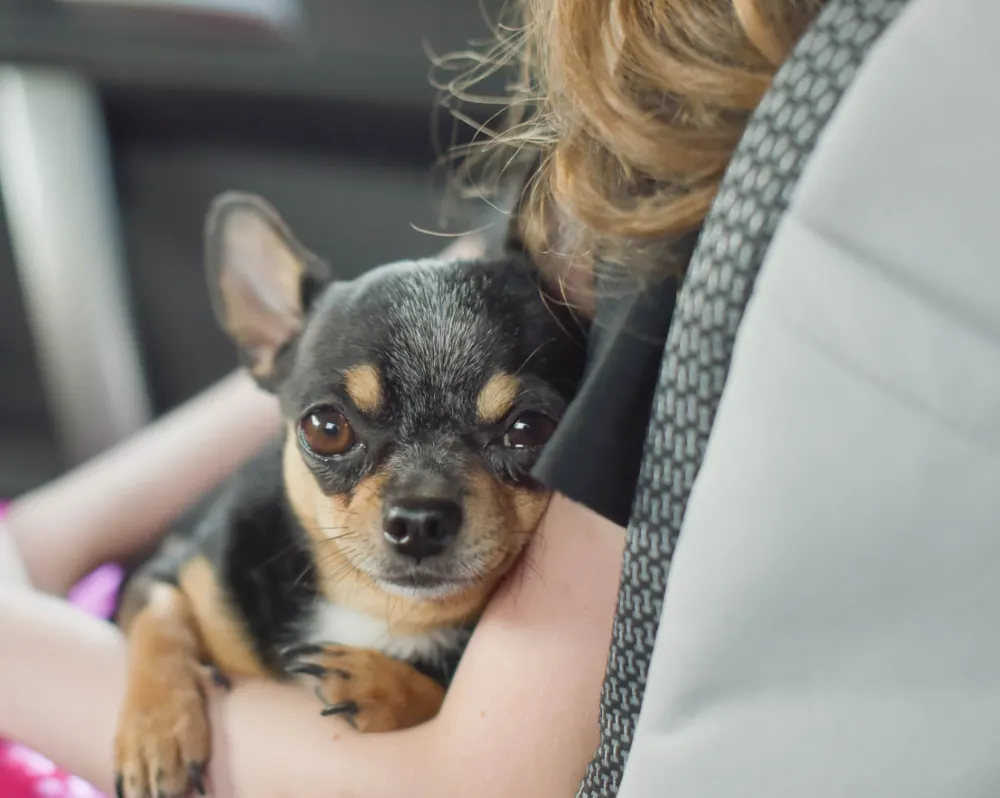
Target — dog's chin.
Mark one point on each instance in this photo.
(432, 580)
(417, 585)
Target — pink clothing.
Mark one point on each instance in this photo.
(27, 774)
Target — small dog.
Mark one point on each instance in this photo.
(357, 552)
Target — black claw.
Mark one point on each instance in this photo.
(308, 669)
(196, 773)
(346, 708)
(220, 679)
(318, 692)
(299, 650)
(120, 786)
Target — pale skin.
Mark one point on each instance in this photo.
(521, 717)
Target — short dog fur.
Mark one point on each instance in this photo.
(356, 553)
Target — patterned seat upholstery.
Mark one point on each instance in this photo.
(749, 212)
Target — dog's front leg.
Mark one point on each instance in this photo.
(163, 740)
(371, 690)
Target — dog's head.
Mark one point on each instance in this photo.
(417, 397)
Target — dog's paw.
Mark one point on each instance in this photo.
(340, 676)
(371, 691)
(162, 744)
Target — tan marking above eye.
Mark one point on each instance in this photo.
(364, 387)
(497, 397)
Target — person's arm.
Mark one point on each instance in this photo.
(520, 719)
(121, 501)
(12, 568)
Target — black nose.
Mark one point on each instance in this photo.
(421, 528)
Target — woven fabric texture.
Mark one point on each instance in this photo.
(737, 233)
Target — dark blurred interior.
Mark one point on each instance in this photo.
(332, 120)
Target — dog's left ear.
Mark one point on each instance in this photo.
(261, 280)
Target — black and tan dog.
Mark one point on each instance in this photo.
(357, 552)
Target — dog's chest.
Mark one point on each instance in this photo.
(334, 624)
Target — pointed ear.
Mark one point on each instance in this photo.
(261, 280)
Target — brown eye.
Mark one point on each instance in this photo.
(529, 431)
(327, 432)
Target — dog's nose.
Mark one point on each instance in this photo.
(421, 528)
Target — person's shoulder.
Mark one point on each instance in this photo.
(595, 455)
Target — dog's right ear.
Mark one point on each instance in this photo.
(261, 280)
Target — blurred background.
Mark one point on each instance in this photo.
(121, 119)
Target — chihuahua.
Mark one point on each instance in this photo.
(356, 553)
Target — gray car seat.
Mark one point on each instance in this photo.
(820, 480)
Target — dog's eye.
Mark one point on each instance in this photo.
(529, 431)
(326, 432)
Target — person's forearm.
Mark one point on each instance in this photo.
(520, 718)
(12, 570)
(120, 502)
(61, 678)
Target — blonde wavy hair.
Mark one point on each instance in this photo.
(635, 107)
